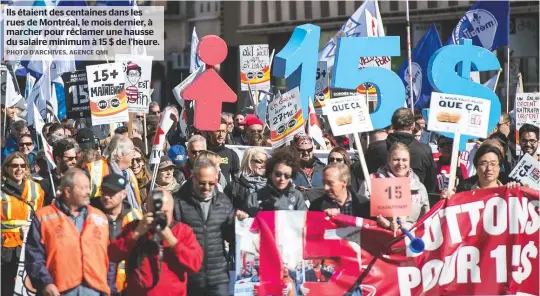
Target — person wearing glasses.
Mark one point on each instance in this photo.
(251, 178)
(210, 214)
(65, 156)
(26, 146)
(279, 192)
(140, 170)
(228, 118)
(528, 141)
(18, 193)
(118, 160)
(310, 173)
(195, 145)
(252, 125)
(230, 164)
(18, 128)
(488, 160)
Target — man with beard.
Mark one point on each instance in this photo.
(65, 157)
(230, 164)
(310, 175)
(211, 216)
(528, 141)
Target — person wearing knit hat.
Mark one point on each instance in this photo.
(311, 172)
(252, 125)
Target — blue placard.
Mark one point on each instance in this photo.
(297, 62)
(390, 89)
(443, 77)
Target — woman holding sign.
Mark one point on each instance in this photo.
(398, 165)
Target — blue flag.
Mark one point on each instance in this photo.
(486, 23)
(421, 54)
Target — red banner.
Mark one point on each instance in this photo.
(476, 243)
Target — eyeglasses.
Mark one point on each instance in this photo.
(486, 164)
(259, 161)
(335, 159)
(284, 175)
(136, 160)
(17, 165)
(503, 123)
(70, 158)
(196, 152)
(309, 150)
(140, 117)
(530, 141)
(28, 144)
(133, 75)
(221, 132)
(230, 123)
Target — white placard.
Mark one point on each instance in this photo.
(527, 171)
(138, 71)
(255, 67)
(527, 109)
(453, 113)
(348, 115)
(285, 117)
(106, 88)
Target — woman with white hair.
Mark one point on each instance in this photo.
(120, 154)
(250, 179)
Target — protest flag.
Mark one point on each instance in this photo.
(492, 82)
(421, 55)
(486, 23)
(194, 61)
(42, 97)
(314, 127)
(365, 22)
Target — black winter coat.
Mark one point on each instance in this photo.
(210, 234)
(238, 191)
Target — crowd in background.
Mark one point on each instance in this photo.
(105, 178)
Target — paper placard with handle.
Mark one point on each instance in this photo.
(348, 115)
(159, 139)
(322, 88)
(138, 74)
(527, 171)
(285, 117)
(390, 197)
(106, 87)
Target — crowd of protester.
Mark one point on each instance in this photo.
(97, 228)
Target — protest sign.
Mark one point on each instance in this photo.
(77, 99)
(457, 113)
(285, 117)
(368, 90)
(108, 100)
(496, 253)
(138, 73)
(177, 90)
(348, 115)
(322, 89)
(255, 67)
(527, 110)
(11, 93)
(390, 197)
(527, 171)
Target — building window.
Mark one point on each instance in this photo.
(452, 3)
(394, 5)
(308, 10)
(264, 13)
(432, 4)
(357, 5)
(413, 4)
(341, 9)
(173, 8)
(292, 10)
(325, 8)
(216, 4)
(251, 12)
(208, 6)
(278, 11)
(201, 7)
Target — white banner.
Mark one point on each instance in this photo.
(138, 71)
(106, 87)
(348, 115)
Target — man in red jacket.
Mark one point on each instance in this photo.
(157, 261)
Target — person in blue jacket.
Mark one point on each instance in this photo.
(311, 168)
(18, 128)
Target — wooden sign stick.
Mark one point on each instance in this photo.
(362, 161)
(454, 161)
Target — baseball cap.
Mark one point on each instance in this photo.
(165, 162)
(86, 138)
(114, 183)
(177, 153)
